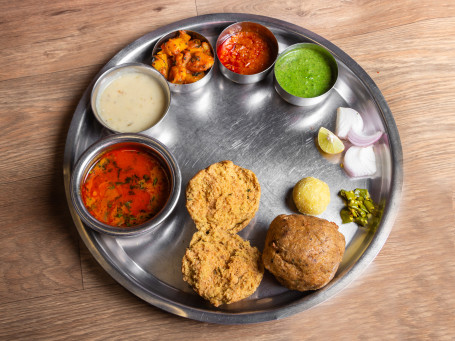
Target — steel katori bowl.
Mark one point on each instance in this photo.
(293, 98)
(184, 88)
(138, 141)
(263, 32)
(115, 73)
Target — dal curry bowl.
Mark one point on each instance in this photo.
(125, 184)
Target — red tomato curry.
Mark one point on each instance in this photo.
(126, 187)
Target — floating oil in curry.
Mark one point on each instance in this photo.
(126, 187)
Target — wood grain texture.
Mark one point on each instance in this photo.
(51, 288)
(58, 36)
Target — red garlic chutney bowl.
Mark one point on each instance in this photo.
(246, 52)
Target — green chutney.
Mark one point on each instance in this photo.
(304, 72)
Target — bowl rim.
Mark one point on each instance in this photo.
(97, 90)
(100, 147)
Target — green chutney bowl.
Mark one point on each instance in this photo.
(304, 74)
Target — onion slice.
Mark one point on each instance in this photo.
(347, 119)
(361, 140)
(360, 161)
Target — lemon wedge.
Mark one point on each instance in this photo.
(329, 142)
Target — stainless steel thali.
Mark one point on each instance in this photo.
(252, 126)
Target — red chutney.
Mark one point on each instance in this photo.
(126, 187)
(246, 53)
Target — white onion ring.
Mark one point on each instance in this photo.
(347, 119)
(360, 140)
(360, 161)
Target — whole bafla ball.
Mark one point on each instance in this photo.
(311, 196)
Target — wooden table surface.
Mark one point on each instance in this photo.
(50, 285)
